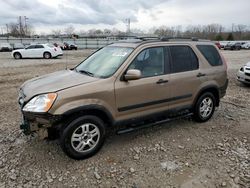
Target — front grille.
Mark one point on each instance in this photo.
(248, 74)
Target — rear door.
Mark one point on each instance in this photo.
(185, 77)
(39, 50)
(215, 69)
(148, 94)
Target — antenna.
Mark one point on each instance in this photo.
(66, 63)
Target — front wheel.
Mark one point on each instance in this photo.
(204, 107)
(83, 137)
(17, 55)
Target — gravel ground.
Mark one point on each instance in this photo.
(179, 154)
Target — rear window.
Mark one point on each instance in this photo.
(211, 54)
(183, 59)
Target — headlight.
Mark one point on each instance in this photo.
(242, 69)
(40, 103)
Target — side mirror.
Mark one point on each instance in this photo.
(132, 74)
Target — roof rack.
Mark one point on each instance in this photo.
(183, 39)
(147, 38)
(179, 38)
(171, 39)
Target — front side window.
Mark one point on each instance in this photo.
(31, 47)
(183, 59)
(104, 62)
(150, 62)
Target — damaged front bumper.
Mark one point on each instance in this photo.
(33, 122)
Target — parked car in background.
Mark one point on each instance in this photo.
(60, 44)
(241, 44)
(17, 46)
(223, 44)
(5, 47)
(233, 46)
(70, 46)
(46, 51)
(243, 74)
(246, 46)
(218, 45)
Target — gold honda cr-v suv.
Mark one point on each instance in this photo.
(133, 83)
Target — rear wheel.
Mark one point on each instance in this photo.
(47, 55)
(83, 137)
(204, 107)
(17, 55)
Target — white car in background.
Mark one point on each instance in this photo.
(243, 74)
(246, 46)
(46, 51)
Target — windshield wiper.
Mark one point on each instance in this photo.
(86, 72)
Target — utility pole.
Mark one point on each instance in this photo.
(7, 28)
(25, 24)
(20, 24)
(128, 25)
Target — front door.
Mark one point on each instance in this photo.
(150, 93)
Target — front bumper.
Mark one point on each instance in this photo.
(242, 77)
(32, 122)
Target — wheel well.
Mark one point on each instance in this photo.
(212, 90)
(46, 52)
(18, 53)
(107, 119)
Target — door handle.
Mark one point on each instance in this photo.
(200, 74)
(161, 81)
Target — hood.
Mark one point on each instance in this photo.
(54, 82)
(248, 64)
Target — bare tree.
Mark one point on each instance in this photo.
(91, 32)
(21, 28)
(69, 30)
(13, 29)
(164, 31)
(137, 31)
(240, 29)
(107, 32)
(56, 32)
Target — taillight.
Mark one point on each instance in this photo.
(224, 60)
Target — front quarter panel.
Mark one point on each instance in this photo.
(99, 93)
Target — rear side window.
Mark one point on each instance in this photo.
(183, 59)
(211, 54)
(39, 46)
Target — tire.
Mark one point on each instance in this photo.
(46, 55)
(78, 142)
(204, 107)
(17, 55)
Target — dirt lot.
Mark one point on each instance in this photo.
(179, 154)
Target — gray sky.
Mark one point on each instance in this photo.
(46, 15)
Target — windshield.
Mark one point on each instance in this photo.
(104, 62)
